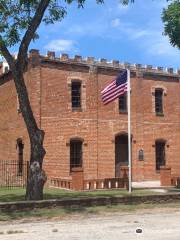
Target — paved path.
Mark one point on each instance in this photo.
(155, 226)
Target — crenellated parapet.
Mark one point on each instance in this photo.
(102, 63)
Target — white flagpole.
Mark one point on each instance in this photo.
(129, 130)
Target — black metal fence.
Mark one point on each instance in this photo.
(13, 174)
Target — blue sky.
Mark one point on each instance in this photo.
(126, 33)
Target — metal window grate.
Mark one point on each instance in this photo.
(123, 103)
(159, 101)
(76, 94)
(75, 153)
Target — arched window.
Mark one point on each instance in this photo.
(160, 154)
(75, 153)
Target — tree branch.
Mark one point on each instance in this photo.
(34, 24)
(6, 54)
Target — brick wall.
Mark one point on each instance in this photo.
(49, 82)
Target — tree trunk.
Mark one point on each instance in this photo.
(35, 182)
(36, 176)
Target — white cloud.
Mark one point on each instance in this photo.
(77, 29)
(115, 22)
(61, 45)
(97, 29)
(161, 47)
(139, 33)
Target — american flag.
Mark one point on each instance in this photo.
(116, 88)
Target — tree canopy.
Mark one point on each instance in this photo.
(171, 19)
(18, 15)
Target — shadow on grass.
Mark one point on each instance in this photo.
(12, 198)
(18, 194)
(6, 215)
(174, 190)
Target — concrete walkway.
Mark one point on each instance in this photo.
(146, 184)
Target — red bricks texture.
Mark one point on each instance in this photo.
(77, 179)
(165, 176)
(48, 80)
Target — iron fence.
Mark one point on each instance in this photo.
(13, 174)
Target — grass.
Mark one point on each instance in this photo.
(17, 194)
(58, 212)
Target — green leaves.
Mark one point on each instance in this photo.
(16, 16)
(55, 13)
(126, 2)
(171, 19)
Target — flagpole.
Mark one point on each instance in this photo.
(129, 131)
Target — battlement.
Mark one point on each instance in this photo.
(77, 59)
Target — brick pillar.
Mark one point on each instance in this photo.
(34, 57)
(165, 176)
(77, 179)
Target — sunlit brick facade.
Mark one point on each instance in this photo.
(80, 130)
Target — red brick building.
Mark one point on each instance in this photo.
(81, 131)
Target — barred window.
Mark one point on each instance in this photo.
(123, 103)
(159, 101)
(75, 153)
(160, 154)
(76, 94)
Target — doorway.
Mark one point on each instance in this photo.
(121, 153)
(160, 154)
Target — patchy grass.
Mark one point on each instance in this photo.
(18, 194)
(61, 213)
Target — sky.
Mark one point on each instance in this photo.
(112, 31)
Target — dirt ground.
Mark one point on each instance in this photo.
(155, 224)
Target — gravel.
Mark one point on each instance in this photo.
(146, 225)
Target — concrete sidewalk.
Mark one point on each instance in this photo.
(146, 184)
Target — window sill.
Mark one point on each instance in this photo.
(160, 114)
(77, 109)
(123, 112)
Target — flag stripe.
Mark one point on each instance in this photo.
(122, 91)
(115, 89)
(110, 99)
(114, 94)
(107, 87)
